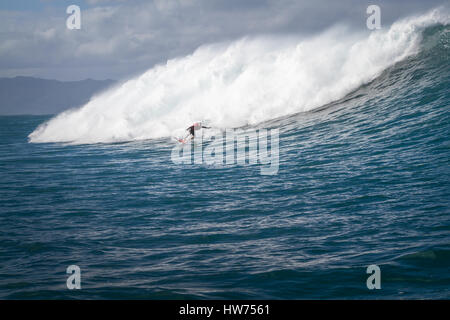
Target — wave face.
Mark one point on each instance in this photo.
(240, 83)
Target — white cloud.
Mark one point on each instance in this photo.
(120, 38)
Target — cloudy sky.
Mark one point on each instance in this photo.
(122, 38)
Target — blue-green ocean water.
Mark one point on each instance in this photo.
(365, 180)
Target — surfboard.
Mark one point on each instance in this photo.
(183, 140)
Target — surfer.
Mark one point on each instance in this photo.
(195, 126)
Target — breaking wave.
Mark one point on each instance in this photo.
(244, 82)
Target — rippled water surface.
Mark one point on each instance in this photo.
(362, 181)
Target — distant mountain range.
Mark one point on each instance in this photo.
(28, 95)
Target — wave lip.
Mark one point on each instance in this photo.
(239, 83)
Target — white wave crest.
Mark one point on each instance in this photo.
(244, 82)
